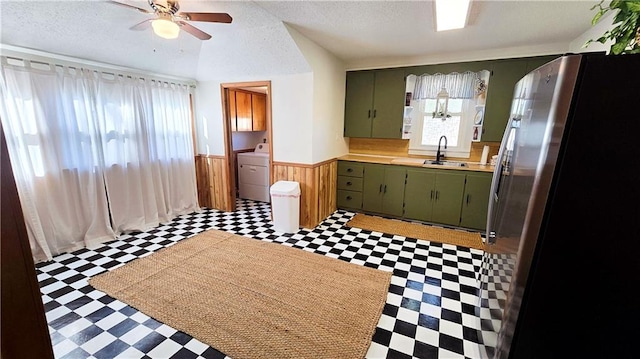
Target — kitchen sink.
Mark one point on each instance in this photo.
(446, 163)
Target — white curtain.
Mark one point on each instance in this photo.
(95, 156)
(458, 85)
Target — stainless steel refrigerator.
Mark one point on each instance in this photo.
(562, 266)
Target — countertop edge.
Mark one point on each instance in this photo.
(398, 161)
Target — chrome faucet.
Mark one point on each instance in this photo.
(438, 154)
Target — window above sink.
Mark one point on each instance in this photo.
(463, 123)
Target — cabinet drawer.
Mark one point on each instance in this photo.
(350, 169)
(349, 199)
(350, 183)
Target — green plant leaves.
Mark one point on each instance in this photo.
(626, 31)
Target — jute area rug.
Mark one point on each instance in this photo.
(417, 230)
(254, 299)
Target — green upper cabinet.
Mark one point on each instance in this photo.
(505, 74)
(374, 103)
(535, 62)
(502, 83)
(358, 102)
(383, 189)
(374, 100)
(434, 196)
(475, 201)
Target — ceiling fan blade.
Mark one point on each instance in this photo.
(131, 7)
(206, 16)
(143, 25)
(194, 31)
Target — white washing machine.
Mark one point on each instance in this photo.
(253, 174)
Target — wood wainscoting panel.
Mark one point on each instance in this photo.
(317, 188)
(212, 180)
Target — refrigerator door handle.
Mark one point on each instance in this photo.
(497, 172)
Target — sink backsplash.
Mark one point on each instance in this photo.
(400, 148)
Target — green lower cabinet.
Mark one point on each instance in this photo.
(383, 189)
(448, 198)
(418, 194)
(434, 196)
(349, 199)
(475, 201)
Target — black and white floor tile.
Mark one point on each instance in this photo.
(432, 310)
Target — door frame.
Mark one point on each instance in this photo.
(228, 145)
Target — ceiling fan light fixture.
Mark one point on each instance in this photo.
(451, 14)
(165, 28)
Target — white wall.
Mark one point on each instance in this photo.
(291, 114)
(242, 140)
(292, 104)
(208, 119)
(328, 99)
(595, 32)
(307, 110)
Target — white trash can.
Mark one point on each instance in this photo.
(285, 206)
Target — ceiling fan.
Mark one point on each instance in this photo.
(169, 20)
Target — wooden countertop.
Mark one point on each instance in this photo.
(413, 161)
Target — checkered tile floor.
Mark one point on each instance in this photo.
(431, 311)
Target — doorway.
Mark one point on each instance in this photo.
(247, 124)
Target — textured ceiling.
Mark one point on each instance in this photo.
(257, 42)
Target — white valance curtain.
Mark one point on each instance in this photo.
(95, 154)
(458, 85)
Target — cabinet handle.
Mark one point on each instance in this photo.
(437, 195)
(467, 199)
(348, 198)
(349, 169)
(349, 183)
(431, 197)
(374, 113)
(385, 188)
(380, 189)
(369, 115)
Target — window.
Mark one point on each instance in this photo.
(465, 102)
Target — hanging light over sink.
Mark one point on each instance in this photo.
(442, 105)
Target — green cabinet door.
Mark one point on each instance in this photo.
(358, 103)
(383, 189)
(393, 190)
(475, 201)
(372, 183)
(535, 62)
(500, 90)
(388, 103)
(419, 194)
(448, 198)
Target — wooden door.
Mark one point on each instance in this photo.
(243, 111)
(259, 111)
(232, 110)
